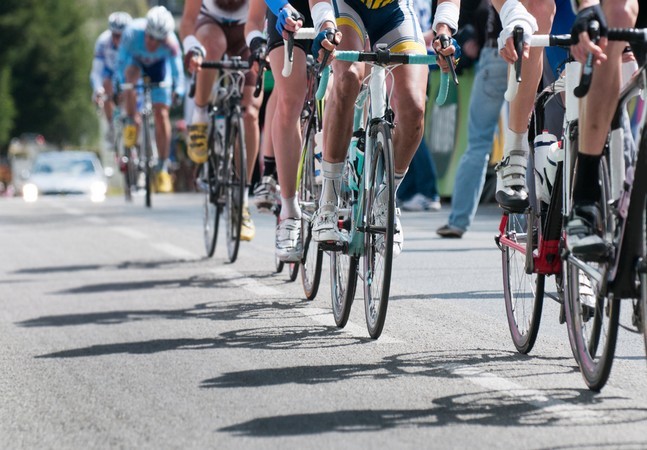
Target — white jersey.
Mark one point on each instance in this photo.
(226, 11)
(105, 60)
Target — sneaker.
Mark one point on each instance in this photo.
(380, 219)
(163, 183)
(130, 135)
(266, 193)
(416, 203)
(247, 228)
(288, 240)
(197, 148)
(448, 231)
(434, 204)
(511, 193)
(584, 232)
(325, 225)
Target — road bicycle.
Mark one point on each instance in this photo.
(223, 177)
(589, 291)
(367, 201)
(138, 162)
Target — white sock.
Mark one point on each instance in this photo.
(397, 180)
(200, 115)
(515, 141)
(332, 173)
(290, 208)
(246, 196)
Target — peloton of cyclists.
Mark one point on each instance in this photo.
(210, 29)
(149, 47)
(104, 65)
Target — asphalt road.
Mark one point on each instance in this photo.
(117, 332)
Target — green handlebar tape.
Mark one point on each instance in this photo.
(422, 59)
(323, 82)
(343, 55)
(444, 88)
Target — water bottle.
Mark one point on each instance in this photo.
(356, 150)
(547, 155)
(318, 157)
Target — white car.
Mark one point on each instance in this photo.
(66, 173)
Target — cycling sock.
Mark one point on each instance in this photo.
(200, 115)
(269, 163)
(290, 208)
(587, 179)
(515, 141)
(397, 180)
(162, 165)
(332, 173)
(246, 196)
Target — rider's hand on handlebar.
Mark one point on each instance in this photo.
(450, 50)
(289, 19)
(584, 44)
(192, 61)
(258, 50)
(327, 39)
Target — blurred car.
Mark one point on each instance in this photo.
(66, 173)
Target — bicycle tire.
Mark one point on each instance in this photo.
(590, 308)
(642, 278)
(343, 266)
(294, 270)
(148, 155)
(523, 292)
(211, 208)
(237, 176)
(309, 192)
(379, 229)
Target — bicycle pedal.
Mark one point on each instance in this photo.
(334, 246)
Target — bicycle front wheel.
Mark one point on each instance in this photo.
(211, 207)
(236, 185)
(594, 313)
(148, 159)
(523, 292)
(379, 208)
(309, 192)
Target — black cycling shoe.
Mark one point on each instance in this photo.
(512, 200)
(584, 232)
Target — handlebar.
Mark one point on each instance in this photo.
(235, 63)
(288, 47)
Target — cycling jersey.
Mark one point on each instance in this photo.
(133, 52)
(389, 22)
(225, 11)
(105, 60)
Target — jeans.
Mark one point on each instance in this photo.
(421, 176)
(486, 100)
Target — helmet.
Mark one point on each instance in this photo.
(159, 22)
(118, 21)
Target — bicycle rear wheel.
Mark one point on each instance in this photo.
(523, 292)
(379, 208)
(309, 192)
(594, 313)
(236, 186)
(343, 266)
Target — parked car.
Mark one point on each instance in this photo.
(66, 173)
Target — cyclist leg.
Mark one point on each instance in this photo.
(132, 75)
(511, 192)
(266, 191)
(338, 123)
(583, 228)
(212, 37)
(290, 95)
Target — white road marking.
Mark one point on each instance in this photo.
(324, 317)
(174, 250)
(243, 281)
(549, 405)
(129, 232)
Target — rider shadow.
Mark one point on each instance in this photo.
(440, 364)
(220, 311)
(465, 295)
(151, 264)
(268, 338)
(484, 408)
